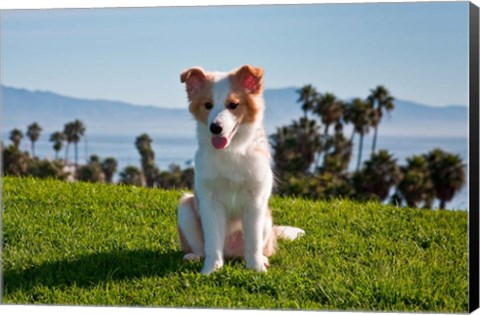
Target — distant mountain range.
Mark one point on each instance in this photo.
(21, 107)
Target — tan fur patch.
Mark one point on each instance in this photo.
(246, 97)
(197, 103)
(246, 84)
(199, 91)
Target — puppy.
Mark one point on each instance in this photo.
(229, 216)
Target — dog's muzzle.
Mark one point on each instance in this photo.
(219, 141)
(216, 129)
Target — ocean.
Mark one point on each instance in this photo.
(180, 150)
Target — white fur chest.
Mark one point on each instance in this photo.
(233, 179)
(248, 167)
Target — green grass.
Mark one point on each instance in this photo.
(89, 244)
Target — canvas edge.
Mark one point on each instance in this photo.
(474, 221)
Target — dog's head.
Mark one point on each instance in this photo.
(225, 103)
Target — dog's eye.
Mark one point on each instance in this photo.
(208, 105)
(232, 106)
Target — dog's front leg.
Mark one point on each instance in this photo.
(214, 227)
(253, 222)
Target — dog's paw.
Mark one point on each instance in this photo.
(265, 262)
(192, 257)
(259, 265)
(210, 267)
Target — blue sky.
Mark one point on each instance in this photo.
(418, 50)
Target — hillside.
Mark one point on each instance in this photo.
(92, 244)
(52, 111)
(21, 107)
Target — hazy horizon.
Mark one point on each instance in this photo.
(166, 107)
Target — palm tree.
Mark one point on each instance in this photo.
(416, 185)
(46, 169)
(283, 143)
(131, 175)
(15, 162)
(447, 172)
(143, 145)
(57, 138)
(360, 114)
(338, 152)
(294, 150)
(109, 167)
(381, 101)
(16, 136)
(78, 132)
(307, 97)
(33, 133)
(94, 159)
(73, 132)
(377, 176)
(330, 110)
(307, 133)
(68, 132)
(175, 178)
(90, 172)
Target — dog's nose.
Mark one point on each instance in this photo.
(215, 128)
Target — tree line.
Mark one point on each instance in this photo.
(311, 157)
(312, 160)
(22, 163)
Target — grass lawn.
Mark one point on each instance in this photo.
(91, 244)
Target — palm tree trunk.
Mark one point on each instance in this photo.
(33, 148)
(56, 154)
(374, 143)
(317, 160)
(325, 137)
(108, 177)
(76, 154)
(66, 152)
(443, 203)
(360, 147)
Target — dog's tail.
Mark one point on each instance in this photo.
(287, 232)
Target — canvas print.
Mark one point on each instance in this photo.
(284, 157)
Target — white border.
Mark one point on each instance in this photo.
(57, 4)
(77, 310)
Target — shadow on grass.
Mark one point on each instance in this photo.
(92, 269)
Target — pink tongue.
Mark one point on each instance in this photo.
(219, 142)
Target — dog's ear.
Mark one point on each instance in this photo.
(195, 80)
(250, 78)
